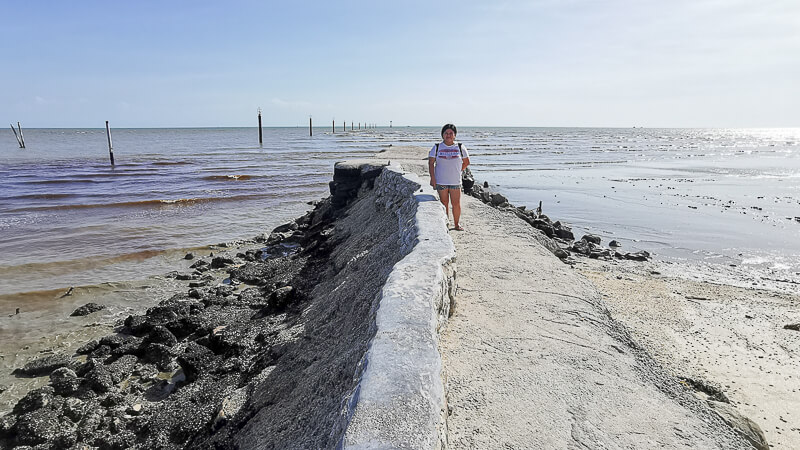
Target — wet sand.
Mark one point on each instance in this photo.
(730, 337)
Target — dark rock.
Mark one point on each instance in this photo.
(220, 262)
(563, 231)
(792, 326)
(280, 298)
(200, 263)
(138, 324)
(132, 346)
(194, 293)
(594, 239)
(614, 244)
(196, 284)
(38, 427)
(252, 273)
(189, 256)
(117, 340)
(486, 184)
(73, 409)
(87, 309)
(101, 352)
(291, 226)
(35, 399)
(498, 199)
(122, 368)
(113, 400)
(47, 364)
(88, 347)
(195, 360)
(582, 247)
(641, 255)
(224, 290)
(544, 226)
(185, 277)
(160, 355)
(161, 335)
(64, 381)
(98, 378)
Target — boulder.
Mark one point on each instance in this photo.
(35, 399)
(87, 309)
(64, 381)
(47, 364)
(594, 239)
(641, 255)
(280, 298)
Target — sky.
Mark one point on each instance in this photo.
(560, 63)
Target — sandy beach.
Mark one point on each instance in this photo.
(730, 337)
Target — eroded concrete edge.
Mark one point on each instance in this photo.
(400, 400)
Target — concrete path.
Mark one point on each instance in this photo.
(533, 360)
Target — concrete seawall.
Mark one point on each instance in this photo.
(400, 401)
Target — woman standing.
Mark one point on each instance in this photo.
(446, 160)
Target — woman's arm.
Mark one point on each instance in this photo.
(464, 163)
(431, 162)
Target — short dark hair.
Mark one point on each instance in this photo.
(449, 126)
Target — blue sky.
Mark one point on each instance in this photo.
(681, 63)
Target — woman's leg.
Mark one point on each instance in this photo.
(455, 198)
(444, 197)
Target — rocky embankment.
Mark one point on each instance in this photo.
(271, 357)
(561, 242)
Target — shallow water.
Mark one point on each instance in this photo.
(67, 218)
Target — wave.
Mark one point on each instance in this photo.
(156, 203)
(227, 177)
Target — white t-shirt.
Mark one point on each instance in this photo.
(448, 163)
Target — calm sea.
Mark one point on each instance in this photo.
(67, 218)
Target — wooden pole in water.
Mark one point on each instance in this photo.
(16, 136)
(310, 133)
(333, 126)
(260, 134)
(21, 137)
(344, 125)
(110, 147)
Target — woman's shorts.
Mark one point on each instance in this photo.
(441, 187)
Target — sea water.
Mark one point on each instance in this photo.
(725, 197)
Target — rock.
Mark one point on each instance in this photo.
(614, 244)
(594, 239)
(47, 364)
(498, 199)
(189, 256)
(88, 347)
(101, 352)
(160, 355)
(38, 427)
(744, 426)
(563, 231)
(641, 255)
(280, 298)
(582, 247)
(134, 410)
(35, 399)
(73, 409)
(792, 326)
(544, 226)
(64, 381)
(486, 184)
(122, 368)
(220, 262)
(98, 378)
(87, 309)
(195, 360)
(161, 335)
(194, 293)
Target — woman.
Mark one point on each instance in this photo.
(446, 160)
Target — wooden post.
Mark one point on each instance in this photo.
(260, 135)
(333, 126)
(16, 136)
(310, 133)
(351, 126)
(344, 125)
(21, 137)
(110, 147)
(359, 125)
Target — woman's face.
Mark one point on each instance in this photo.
(449, 137)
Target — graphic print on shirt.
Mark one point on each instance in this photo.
(448, 152)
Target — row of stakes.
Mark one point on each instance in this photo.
(21, 138)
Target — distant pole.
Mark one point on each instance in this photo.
(333, 126)
(110, 147)
(16, 136)
(351, 126)
(344, 125)
(21, 137)
(310, 133)
(390, 124)
(260, 135)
